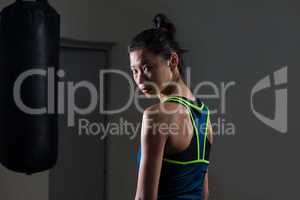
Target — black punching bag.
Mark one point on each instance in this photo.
(29, 58)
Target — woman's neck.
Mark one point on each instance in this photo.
(178, 88)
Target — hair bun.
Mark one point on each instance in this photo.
(163, 23)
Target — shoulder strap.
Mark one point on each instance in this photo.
(200, 120)
(184, 101)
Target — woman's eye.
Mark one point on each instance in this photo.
(134, 71)
(146, 68)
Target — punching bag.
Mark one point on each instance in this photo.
(29, 58)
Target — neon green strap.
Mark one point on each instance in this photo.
(187, 104)
(205, 134)
(185, 101)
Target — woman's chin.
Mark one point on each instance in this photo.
(149, 94)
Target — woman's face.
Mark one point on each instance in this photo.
(151, 73)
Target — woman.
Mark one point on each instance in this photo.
(173, 159)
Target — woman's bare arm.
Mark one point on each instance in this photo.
(205, 187)
(152, 149)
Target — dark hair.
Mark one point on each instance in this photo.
(159, 40)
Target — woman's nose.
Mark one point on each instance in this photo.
(140, 78)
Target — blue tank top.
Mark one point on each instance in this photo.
(182, 174)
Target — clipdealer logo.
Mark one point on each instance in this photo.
(280, 120)
(68, 106)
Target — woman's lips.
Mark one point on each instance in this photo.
(145, 89)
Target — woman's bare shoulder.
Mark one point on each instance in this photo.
(165, 109)
(167, 112)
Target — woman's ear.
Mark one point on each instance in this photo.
(173, 61)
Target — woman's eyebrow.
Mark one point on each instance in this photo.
(143, 62)
(146, 61)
